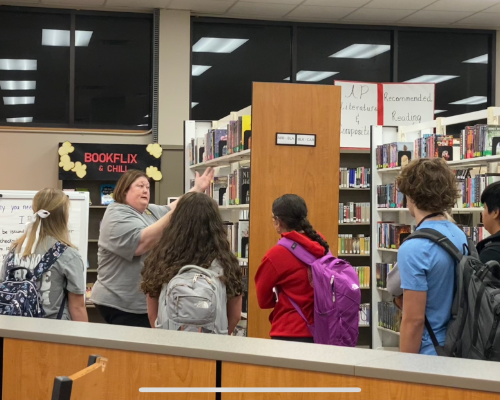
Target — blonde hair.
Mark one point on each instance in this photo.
(56, 202)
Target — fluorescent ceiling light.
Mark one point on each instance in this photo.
(19, 65)
(20, 120)
(146, 116)
(197, 70)
(12, 101)
(432, 78)
(472, 100)
(478, 60)
(439, 111)
(142, 125)
(312, 76)
(194, 104)
(362, 51)
(17, 85)
(217, 45)
(58, 37)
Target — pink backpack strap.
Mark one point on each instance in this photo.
(298, 251)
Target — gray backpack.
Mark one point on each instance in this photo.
(194, 301)
(474, 329)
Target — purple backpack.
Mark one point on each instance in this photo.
(336, 297)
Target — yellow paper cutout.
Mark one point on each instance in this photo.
(80, 169)
(154, 174)
(66, 163)
(155, 150)
(65, 149)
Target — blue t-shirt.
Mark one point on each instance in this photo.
(425, 267)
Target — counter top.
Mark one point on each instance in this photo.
(459, 373)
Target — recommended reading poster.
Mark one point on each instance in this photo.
(358, 113)
(405, 103)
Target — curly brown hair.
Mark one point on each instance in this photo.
(430, 184)
(195, 235)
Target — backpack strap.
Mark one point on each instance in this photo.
(298, 251)
(438, 238)
(49, 259)
(439, 349)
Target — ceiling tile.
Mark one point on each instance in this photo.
(137, 3)
(377, 15)
(495, 8)
(336, 3)
(489, 19)
(260, 9)
(202, 6)
(435, 17)
(400, 4)
(462, 5)
(296, 2)
(325, 13)
(77, 3)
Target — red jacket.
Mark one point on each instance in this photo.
(281, 269)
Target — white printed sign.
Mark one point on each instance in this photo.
(406, 103)
(358, 113)
(286, 139)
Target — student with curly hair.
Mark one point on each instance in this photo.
(281, 272)
(195, 237)
(427, 270)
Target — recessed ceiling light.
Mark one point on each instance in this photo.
(432, 78)
(142, 125)
(472, 100)
(146, 116)
(20, 120)
(439, 111)
(362, 51)
(197, 70)
(17, 65)
(12, 101)
(58, 37)
(312, 76)
(217, 45)
(17, 85)
(194, 104)
(478, 60)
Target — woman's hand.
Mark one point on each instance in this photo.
(202, 182)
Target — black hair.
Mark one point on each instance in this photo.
(491, 197)
(291, 210)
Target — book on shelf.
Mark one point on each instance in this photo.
(382, 270)
(388, 196)
(358, 178)
(245, 132)
(364, 314)
(220, 185)
(232, 236)
(391, 235)
(107, 193)
(364, 276)
(239, 186)
(389, 316)
(243, 238)
(354, 213)
(475, 233)
(396, 154)
(353, 244)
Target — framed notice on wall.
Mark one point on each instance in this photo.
(107, 162)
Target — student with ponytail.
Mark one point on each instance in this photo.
(281, 271)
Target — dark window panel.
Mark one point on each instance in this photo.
(113, 73)
(227, 85)
(21, 39)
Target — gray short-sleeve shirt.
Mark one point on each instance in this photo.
(119, 270)
(66, 273)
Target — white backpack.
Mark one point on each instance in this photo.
(194, 301)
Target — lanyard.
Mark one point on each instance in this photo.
(429, 216)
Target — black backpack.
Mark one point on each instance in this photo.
(474, 329)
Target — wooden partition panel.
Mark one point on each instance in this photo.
(29, 369)
(245, 375)
(310, 172)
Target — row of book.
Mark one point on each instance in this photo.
(364, 314)
(355, 178)
(479, 141)
(238, 237)
(475, 233)
(382, 270)
(471, 187)
(216, 143)
(432, 146)
(391, 235)
(364, 276)
(388, 196)
(353, 244)
(396, 154)
(231, 189)
(389, 316)
(354, 213)
(241, 327)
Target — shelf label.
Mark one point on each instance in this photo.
(286, 139)
(306, 140)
